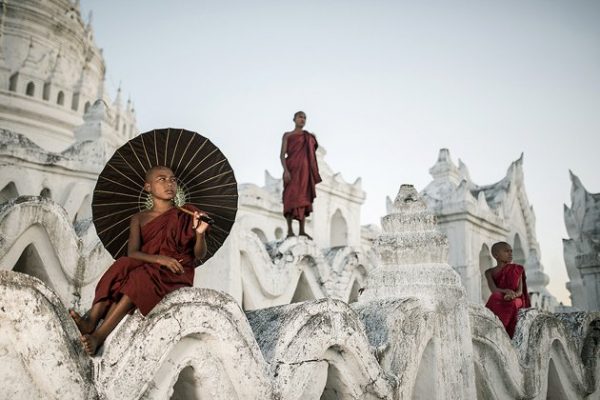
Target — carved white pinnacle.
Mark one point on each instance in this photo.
(409, 232)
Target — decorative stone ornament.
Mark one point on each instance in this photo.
(412, 255)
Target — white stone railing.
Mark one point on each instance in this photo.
(70, 263)
(198, 343)
(273, 272)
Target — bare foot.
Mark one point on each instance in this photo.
(84, 325)
(290, 234)
(90, 344)
(306, 235)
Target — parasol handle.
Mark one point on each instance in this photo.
(204, 218)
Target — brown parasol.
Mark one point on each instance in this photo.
(204, 178)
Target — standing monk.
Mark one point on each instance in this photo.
(300, 173)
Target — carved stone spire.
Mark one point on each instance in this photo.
(582, 250)
(412, 254)
(445, 169)
(412, 264)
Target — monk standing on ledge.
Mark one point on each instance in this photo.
(300, 173)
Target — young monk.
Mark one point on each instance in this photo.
(300, 173)
(508, 286)
(165, 244)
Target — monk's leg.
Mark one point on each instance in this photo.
(111, 279)
(87, 323)
(516, 305)
(302, 232)
(288, 219)
(91, 342)
(111, 309)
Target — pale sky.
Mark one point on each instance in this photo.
(385, 85)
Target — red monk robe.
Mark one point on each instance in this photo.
(301, 161)
(506, 310)
(170, 234)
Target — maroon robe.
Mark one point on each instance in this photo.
(507, 310)
(301, 162)
(170, 234)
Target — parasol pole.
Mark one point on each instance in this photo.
(204, 218)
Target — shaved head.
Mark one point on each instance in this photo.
(152, 171)
(298, 113)
(497, 246)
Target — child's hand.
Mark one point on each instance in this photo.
(287, 176)
(510, 295)
(172, 264)
(199, 225)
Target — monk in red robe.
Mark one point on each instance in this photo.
(165, 245)
(508, 286)
(300, 173)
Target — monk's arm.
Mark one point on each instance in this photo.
(200, 246)
(133, 249)
(282, 153)
(200, 227)
(519, 291)
(492, 284)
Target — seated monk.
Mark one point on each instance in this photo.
(165, 245)
(508, 286)
(300, 173)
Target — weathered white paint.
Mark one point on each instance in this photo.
(412, 334)
(48, 54)
(474, 217)
(582, 250)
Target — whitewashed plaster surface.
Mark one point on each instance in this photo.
(582, 249)
(415, 332)
(474, 217)
(37, 238)
(51, 73)
(412, 334)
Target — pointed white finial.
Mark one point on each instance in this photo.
(444, 168)
(117, 101)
